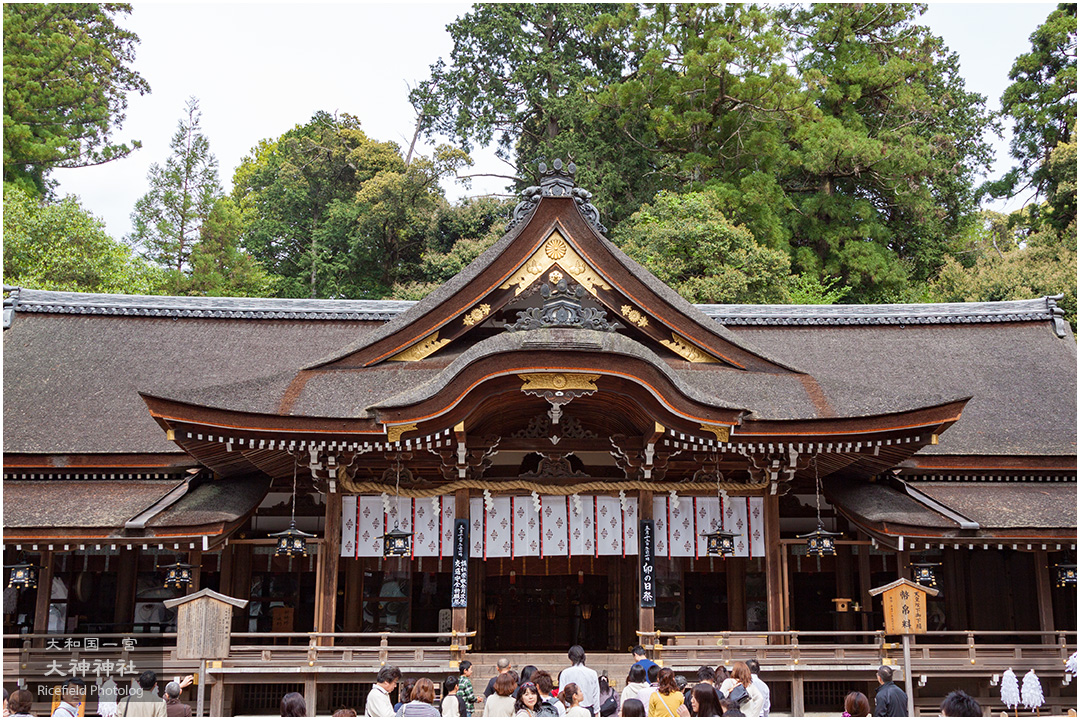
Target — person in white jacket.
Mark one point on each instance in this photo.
(636, 681)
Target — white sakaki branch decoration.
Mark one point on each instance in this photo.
(489, 501)
(1031, 692)
(436, 506)
(674, 496)
(1010, 689)
(577, 503)
(536, 501)
(386, 504)
(622, 501)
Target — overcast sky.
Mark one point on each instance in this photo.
(260, 69)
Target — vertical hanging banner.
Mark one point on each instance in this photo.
(630, 527)
(735, 522)
(554, 538)
(426, 536)
(476, 529)
(582, 533)
(708, 519)
(526, 525)
(459, 580)
(646, 548)
(681, 540)
(609, 530)
(348, 526)
(660, 534)
(498, 535)
(449, 510)
(369, 526)
(756, 518)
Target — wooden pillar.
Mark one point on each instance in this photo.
(326, 576)
(44, 595)
(774, 577)
(217, 698)
(736, 588)
(459, 617)
(956, 591)
(310, 697)
(127, 574)
(646, 616)
(354, 611)
(1043, 594)
(241, 584)
(225, 567)
(845, 585)
(865, 599)
(903, 564)
(785, 555)
(195, 560)
(798, 704)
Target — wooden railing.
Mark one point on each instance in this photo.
(936, 653)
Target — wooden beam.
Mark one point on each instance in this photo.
(646, 616)
(845, 585)
(217, 697)
(774, 564)
(310, 696)
(327, 574)
(798, 704)
(354, 575)
(903, 562)
(241, 584)
(44, 595)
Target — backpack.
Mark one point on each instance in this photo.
(547, 708)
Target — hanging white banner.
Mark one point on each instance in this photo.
(735, 522)
(681, 540)
(526, 526)
(630, 527)
(609, 526)
(582, 530)
(660, 518)
(707, 514)
(476, 527)
(449, 512)
(756, 517)
(498, 528)
(370, 523)
(554, 526)
(348, 526)
(427, 535)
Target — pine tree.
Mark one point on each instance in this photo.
(168, 219)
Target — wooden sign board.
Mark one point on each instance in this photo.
(904, 603)
(203, 624)
(281, 619)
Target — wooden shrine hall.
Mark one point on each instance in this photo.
(554, 440)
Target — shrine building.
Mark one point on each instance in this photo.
(515, 433)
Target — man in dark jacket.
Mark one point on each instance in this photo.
(890, 700)
(173, 706)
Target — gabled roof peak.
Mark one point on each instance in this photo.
(556, 181)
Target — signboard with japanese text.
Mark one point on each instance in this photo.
(459, 580)
(904, 605)
(646, 548)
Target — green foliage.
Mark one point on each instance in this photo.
(523, 75)
(67, 72)
(61, 246)
(299, 195)
(219, 266)
(686, 241)
(1041, 102)
(809, 290)
(168, 219)
(1031, 263)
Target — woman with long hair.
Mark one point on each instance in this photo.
(667, 700)
(704, 701)
(633, 708)
(740, 677)
(636, 682)
(528, 701)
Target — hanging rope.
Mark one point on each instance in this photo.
(601, 486)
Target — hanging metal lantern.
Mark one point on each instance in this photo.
(1066, 575)
(291, 542)
(23, 575)
(397, 543)
(177, 575)
(719, 542)
(925, 575)
(820, 542)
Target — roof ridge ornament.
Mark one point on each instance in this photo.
(557, 181)
(1060, 326)
(562, 308)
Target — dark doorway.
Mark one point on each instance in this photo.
(811, 602)
(544, 612)
(706, 601)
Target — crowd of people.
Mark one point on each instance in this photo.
(578, 691)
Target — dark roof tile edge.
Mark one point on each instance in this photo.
(45, 301)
